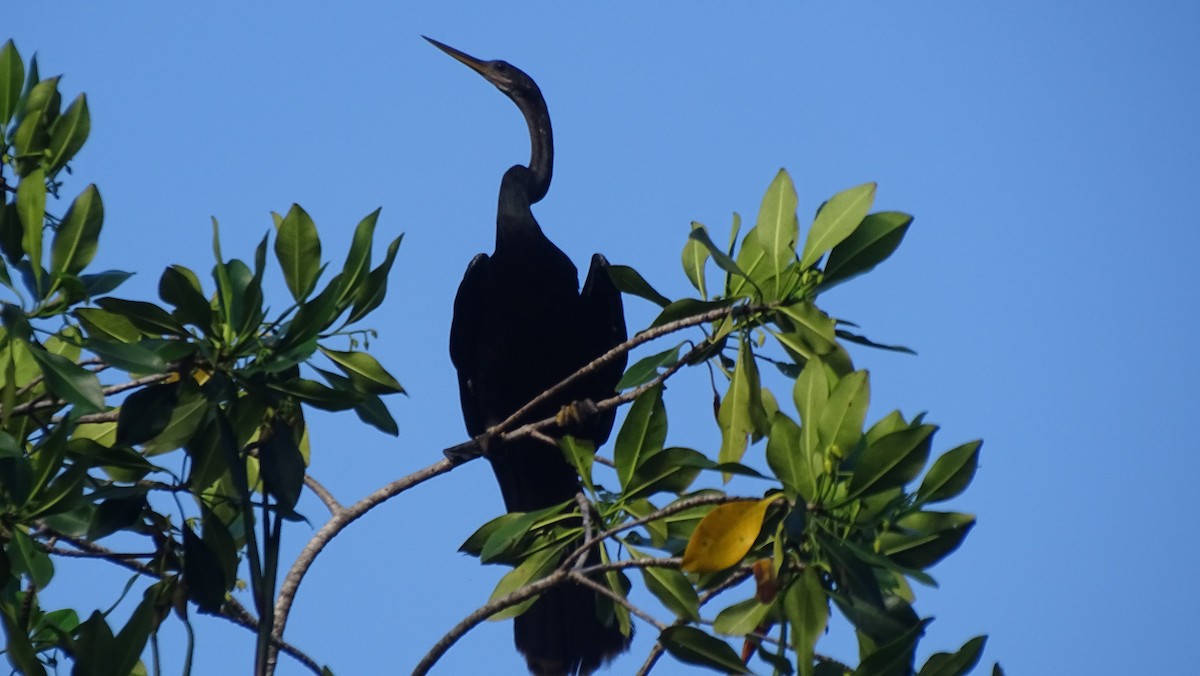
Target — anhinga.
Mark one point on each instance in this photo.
(520, 326)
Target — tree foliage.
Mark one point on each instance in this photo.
(176, 427)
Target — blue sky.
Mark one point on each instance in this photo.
(1047, 150)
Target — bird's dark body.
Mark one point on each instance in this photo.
(521, 324)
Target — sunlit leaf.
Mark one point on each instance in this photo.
(796, 466)
(628, 280)
(892, 461)
(642, 434)
(741, 407)
(358, 260)
(31, 208)
(840, 421)
(365, 371)
(695, 257)
(538, 565)
(68, 134)
(807, 609)
(724, 536)
(875, 238)
(743, 617)
(835, 220)
(646, 368)
(777, 228)
(77, 235)
(12, 78)
(372, 292)
(72, 382)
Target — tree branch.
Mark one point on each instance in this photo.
(579, 578)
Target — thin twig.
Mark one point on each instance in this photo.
(323, 493)
(585, 511)
(616, 598)
(336, 524)
(34, 406)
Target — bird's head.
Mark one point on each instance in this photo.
(507, 77)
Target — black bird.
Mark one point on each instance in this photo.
(520, 326)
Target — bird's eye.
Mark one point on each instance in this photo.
(501, 67)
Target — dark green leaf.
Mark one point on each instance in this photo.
(101, 283)
(695, 257)
(921, 539)
(127, 646)
(19, 650)
(875, 238)
(114, 515)
(957, 664)
(149, 318)
(812, 327)
(863, 340)
(628, 280)
(11, 232)
(145, 413)
(60, 495)
(68, 134)
(951, 473)
(107, 326)
(719, 257)
(642, 435)
(371, 294)
(690, 307)
(532, 569)
(374, 412)
(317, 395)
(181, 288)
(88, 452)
(131, 357)
(75, 242)
(203, 572)
(646, 369)
(474, 544)
(314, 316)
(298, 249)
(693, 646)
(892, 461)
(358, 260)
(835, 220)
(282, 465)
(501, 544)
(26, 558)
(839, 424)
(72, 382)
(93, 648)
(894, 657)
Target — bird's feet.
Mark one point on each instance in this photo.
(575, 414)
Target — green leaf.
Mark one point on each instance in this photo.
(893, 460)
(921, 539)
(807, 609)
(314, 315)
(719, 257)
(31, 209)
(894, 657)
(189, 412)
(358, 260)
(107, 326)
(203, 572)
(473, 545)
(796, 467)
(68, 134)
(811, 395)
(317, 395)
(298, 249)
(814, 328)
(371, 294)
(695, 257)
(693, 646)
(181, 288)
(777, 228)
(840, 422)
(124, 652)
(875, 238)
(671, 471)
(951, 473)
(93, 646)
(116, 514)
(863, 340)
(690, 307)
(958, 664)
(12, 78)
(27, 558)
(538, 565)
(646, 369)
(581, 454)
(282, 465)
(149, 318)
(19, 649)
(671, 588)
(642, 434)
(742, 618)
(145, 413)
(835, 220)
(364, 371)
(70, 381)
(737, 413)
(374, 412)
(131, 357)
(628, 280)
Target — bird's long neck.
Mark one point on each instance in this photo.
(541, 140)
(516, 228)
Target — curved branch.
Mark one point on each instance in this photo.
(336, 524)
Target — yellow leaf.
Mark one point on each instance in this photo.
(724, 535)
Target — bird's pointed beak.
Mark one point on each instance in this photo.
(466, 59)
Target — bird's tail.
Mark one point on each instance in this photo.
(562, 633)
